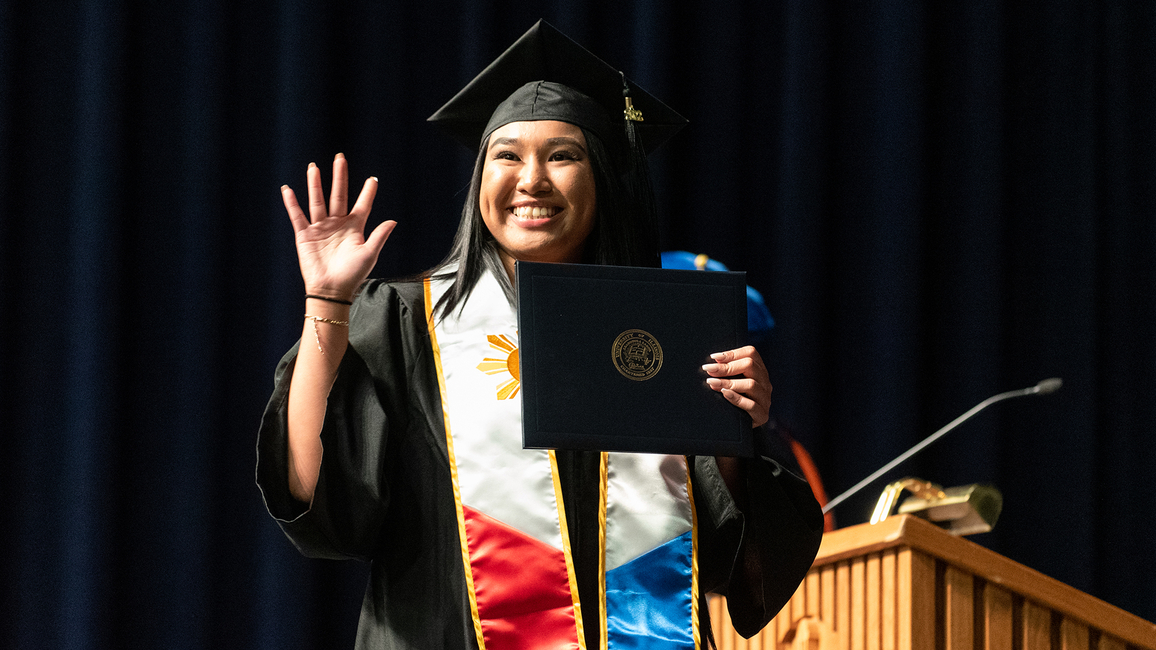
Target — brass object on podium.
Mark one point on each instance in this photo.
(962, 510)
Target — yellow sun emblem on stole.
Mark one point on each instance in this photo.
(497, 366)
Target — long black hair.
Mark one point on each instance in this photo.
(625, 229)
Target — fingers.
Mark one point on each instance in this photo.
(742, 361)
(739, 385)
(759, 415)
(759, 391)
(738, 399)
(751, 390)
(317, 210)
(737, 367)
(296, 214)
(747, 394)
(339, 193)
(739, 353)
(365, 199)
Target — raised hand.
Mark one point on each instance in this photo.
(751, 392)
(334, 254)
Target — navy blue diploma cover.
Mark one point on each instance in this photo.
(611, 358)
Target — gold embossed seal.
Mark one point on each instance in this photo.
(637, 355)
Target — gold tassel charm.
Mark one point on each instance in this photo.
(631, 113)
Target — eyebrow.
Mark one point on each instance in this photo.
(567, 140)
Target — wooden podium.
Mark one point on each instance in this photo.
(905, 584)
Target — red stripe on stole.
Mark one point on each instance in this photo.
(521, 586)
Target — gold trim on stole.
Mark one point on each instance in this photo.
(693, 559)
(469, 572)
(603, 473)
(566, 552)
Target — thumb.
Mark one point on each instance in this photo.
(376, 239)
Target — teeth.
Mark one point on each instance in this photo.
(533, 212)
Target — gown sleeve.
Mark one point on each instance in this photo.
(756, 555)
(367, 404)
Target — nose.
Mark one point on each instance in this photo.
(533, 178)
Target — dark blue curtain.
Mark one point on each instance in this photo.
(940, 201)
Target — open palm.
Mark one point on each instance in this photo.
(334, 254)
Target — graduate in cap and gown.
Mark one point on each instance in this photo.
(394, 431)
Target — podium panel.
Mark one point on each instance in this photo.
(905, 584)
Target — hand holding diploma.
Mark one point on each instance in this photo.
(751, 391)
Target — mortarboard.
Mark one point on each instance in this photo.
(545, 75)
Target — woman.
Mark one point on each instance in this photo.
(473, 541)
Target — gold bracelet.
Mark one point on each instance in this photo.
(317, 334)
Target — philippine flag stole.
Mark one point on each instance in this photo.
(649, 553)
(511, 521)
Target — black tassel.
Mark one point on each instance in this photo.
(638, 184)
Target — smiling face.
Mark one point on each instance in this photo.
(537, 193)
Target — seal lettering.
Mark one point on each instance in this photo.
(637, 355)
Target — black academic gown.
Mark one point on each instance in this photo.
(384, 496)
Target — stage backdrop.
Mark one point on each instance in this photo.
(940, 201)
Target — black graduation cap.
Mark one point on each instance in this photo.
(545, 75)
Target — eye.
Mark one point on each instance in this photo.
(505, 154)
(564, 154)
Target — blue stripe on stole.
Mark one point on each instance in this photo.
(648, 600)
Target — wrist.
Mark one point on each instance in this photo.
(343, 296)
(341, 323)
(326, 308)
(327, 298)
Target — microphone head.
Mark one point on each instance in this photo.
(1049, 386)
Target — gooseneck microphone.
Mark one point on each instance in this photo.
(1043, 388)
